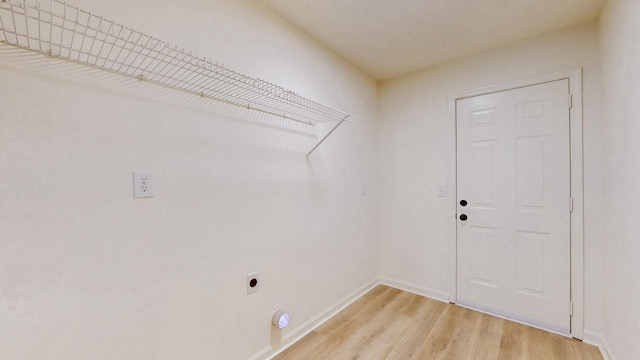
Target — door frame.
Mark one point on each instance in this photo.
(577, 216)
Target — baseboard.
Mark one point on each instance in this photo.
(598, 339)
(418, 290)
(304, 329)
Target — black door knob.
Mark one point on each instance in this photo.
(463, 202)
(463, 217)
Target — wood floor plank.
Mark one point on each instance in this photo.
(414, 338)
(441, 334)
(465, 336)
(378, 304)
(339, 343)
(304, 349)
(562, 347)
(385, 324)
(512, 342)
(380, 345)
(537, 345)
(390, 324)
(488, 346)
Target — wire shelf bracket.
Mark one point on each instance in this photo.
(59, 30)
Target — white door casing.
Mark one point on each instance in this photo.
(513, 169)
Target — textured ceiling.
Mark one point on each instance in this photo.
(387, 38)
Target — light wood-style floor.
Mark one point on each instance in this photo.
(388, 323)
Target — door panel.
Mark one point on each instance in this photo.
(530, 268)
(482, 162)
(513, 169)
(482, 243)
(530, 172)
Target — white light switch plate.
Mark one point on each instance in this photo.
(143, 186)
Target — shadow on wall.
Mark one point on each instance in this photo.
(84, 76)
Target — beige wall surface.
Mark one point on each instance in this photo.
(619, 33)
(416, 227)
(87, 272)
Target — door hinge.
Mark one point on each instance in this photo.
(570, 101)
(570, 204)
(571, 308)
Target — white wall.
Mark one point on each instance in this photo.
(416, 227)
(87, 272)
(619, 34)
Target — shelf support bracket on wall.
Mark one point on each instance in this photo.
(326, 136)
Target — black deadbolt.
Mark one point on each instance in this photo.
(253, 283)
(463, 217)
(463, 202)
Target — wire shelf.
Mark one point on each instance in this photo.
(63, 31)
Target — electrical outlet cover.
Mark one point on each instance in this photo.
(143, 184)
(253, 282)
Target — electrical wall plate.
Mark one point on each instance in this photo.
(253, 282)
(143, 186)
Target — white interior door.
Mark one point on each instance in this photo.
(513, 233)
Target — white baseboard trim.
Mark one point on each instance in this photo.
(304, 329)
(598, 339)
(415, 289)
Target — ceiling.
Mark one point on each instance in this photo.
(387, 38)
